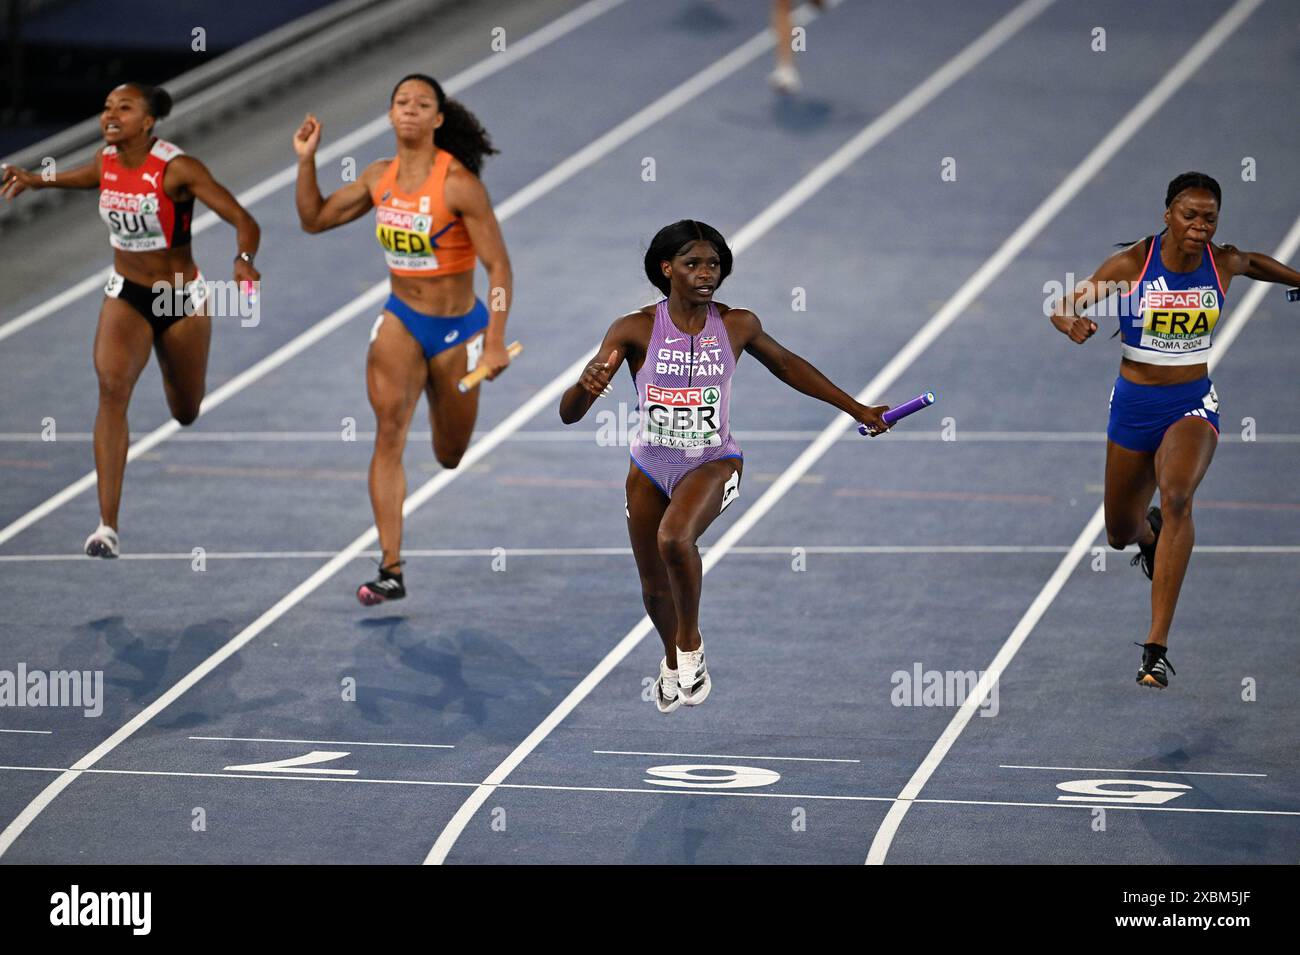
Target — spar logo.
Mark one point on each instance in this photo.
(674, 396)
(111, 200)
(406, 221)
(148, 205)
(682, 397)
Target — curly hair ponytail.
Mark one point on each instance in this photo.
(461, 134)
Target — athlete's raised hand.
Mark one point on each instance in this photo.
(597, 375)
(307, 138)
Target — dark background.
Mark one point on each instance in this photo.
(58, 58)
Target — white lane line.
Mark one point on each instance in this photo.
(680, 95)
(1157, 772)
(297, 778)
(586, 436)
(787, 759)
(665, 106)
(336, 319)
(885, 834)
(321, 742)
(840, 160)
(937, 550)
(484, 68)
(635, 790)
(32, 732)
(1062, 805)
(1082, 544)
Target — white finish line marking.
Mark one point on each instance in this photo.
(754, 550)
(306, 763)
(790, 759)
(1148, 772)
(578, 435)
(321, 742)
(543, 787)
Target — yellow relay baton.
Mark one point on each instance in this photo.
(478, 374)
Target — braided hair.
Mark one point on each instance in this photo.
(1192, 180)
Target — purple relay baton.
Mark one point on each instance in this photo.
(903, 410)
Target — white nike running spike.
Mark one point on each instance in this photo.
(785, 79)
(102, 543)
(667, 698)
(693, 682)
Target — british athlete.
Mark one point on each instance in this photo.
(686, 466)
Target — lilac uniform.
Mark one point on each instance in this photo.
(684, 395)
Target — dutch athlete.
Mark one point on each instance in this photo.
(147, 187)
(1164, 411)
(432, 219)
(686, 466)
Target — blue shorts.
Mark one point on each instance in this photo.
(1141, 414)
(437, 333)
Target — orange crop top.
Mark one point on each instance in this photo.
(419, 234)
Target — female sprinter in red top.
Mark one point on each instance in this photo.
(433, 219)
(147, 187)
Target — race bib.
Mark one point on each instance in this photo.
(196, 294)
(405, 239)
(1177, 322)
(684, 418)
(473, 352)
(730, 490)
(132, 220)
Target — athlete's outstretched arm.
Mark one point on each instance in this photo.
(1255, 265)
(468, 198)
(1114, 276)
(85, 176)
(187, 174)
(618, 343)
(799, 373)
(315, 212)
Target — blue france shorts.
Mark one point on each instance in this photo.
(437, 333)
(1141, 414)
